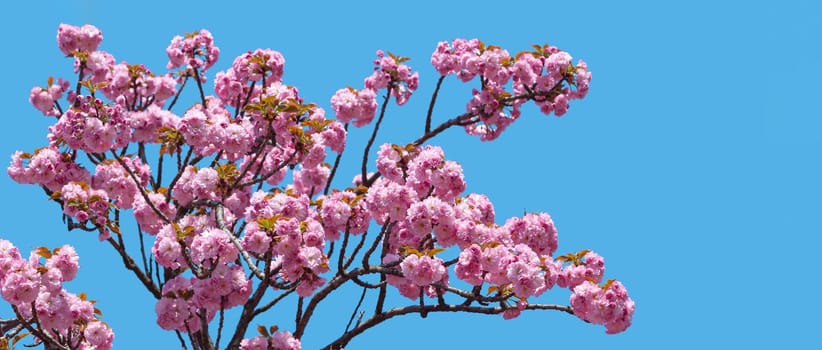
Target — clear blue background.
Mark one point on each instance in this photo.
(693, 166)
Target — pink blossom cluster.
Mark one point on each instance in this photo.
(590, 267)
(44, 98)
(127, 85)
(284, 225)
(35, 291)
(196, 184)
(609, 305)
(130, 85)
(390, 71)
(112, 177)
(193, 241)
(147, 218)
(545, 76)
(261, 65)
(92, 126)
(341, 211)
(84, 203)
(71, 39)
(47, 167)
(279, 340)
(420, 195)
(356, 106)
(147, 123)
(208, 130)
(195, 50)
(360, 106)
(186, 300)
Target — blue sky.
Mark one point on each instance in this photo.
(693, 166)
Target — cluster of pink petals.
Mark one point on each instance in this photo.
(35, 291)
(609, 305)
(185, 299)
(360, 106)
(209, 130)
(47, 167)
(195, 50)
(261, 65)
(592, 268)
(43, 98)
(279, 340)
(357, 106)
(147, 218)
(92, 126)
(132, 84)
(196, 184)
(545, 76)
(117, 181)
(423, 270)
(420, 194)
(84, 203)
(285, 226)
(146, 123)
(389, 71)
(72, 38)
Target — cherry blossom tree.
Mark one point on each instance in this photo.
(235, 207)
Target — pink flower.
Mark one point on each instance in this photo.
(66, 261)
(21, 285)
(147, 123)
(99, 335)
(166, 250)
(591, 268)
(285, 341)
(71, 38)
(422, 270)
(389, 159)
(85, 203)
(609, 305)
(257, 343)
(213, 244)
(195, 50)
(535, 230)
(357, 106)
(117, 182)
(196, 184)
(335, 136)
(309, 181)
(148, 219)
(43, 100)
(389, 201)
(468, 266)
(47, 167)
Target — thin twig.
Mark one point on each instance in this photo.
(374, 133)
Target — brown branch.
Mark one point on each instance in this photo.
(431, 105)
(131, 265)
(379, 318)
(221, 224)
(374, 133)
(143, 192)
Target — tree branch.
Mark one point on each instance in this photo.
(379, 318)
